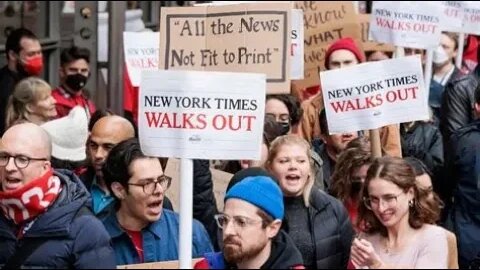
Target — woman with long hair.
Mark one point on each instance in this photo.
(348, 178)
(397, 217)
(317, 222)
(31, 101)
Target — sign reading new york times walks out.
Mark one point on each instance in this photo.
(201, 115)
(236, 38)
(376, 94)
(407, 23)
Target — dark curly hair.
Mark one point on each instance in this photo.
(342, 181)
(293, 105)
(400, 173)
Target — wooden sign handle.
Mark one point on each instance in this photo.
(375, 143)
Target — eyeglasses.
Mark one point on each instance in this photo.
(20, 161)
(374, 203)
(149, 187)
(239, 222)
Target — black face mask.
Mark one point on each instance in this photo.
(76, 82)
(356, 187)
(285, 127)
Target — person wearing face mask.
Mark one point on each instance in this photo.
(443, 70)
(74, 73)
(24, 59)
(285, 110)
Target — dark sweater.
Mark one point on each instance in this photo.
(299, 229)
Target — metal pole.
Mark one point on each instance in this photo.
(186, 213)
(461, 43)
(428, 70)
(116, 26)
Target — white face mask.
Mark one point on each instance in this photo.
(440, 56)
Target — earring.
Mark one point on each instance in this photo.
(410, 203)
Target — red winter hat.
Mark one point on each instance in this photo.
(345, 44)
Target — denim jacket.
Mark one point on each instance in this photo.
(160, 240)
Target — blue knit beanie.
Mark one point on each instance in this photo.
(261, 191)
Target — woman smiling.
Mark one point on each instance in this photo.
(396, 215)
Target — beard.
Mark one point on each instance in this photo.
(235, 253)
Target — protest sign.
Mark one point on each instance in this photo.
(238, 38)
(297, 46)
(407, 23)
(471, 19)
(201, 115)
(141, 53)
(324, 23)
(376, 94)
(369, 45)
(156, 265)
(452, 16)
(220, 181)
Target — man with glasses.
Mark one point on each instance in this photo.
(251, 224)
(141, 230)
(44, 219)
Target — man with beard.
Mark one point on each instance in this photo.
(74, 73)
(24, 59)
(251, 223)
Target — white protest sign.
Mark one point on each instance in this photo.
(471, 19)
(201, 115)
(453, 16)
(376, 94)
(296, 52)
(141, 53)
(406, 23)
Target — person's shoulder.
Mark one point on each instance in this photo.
(429, 232)
(472, 128)
(320, 199)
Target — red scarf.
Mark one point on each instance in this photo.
(30, 200)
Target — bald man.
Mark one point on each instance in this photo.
(107, 132)
(45, 210)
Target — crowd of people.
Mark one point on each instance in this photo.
(77, 191)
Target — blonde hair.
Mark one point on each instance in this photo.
(27, 91)
(293, 140)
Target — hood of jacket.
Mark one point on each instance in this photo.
(284, 253)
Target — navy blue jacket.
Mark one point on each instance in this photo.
(464, 169)
(73, 242)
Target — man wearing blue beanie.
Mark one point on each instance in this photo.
(250, 224)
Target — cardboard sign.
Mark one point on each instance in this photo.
(452, 16)
(471, 19)
(220, 181)
(407, 23)
(201, 115)
(156, 265)
(238, 38)
(141, 53)
(297, 47)
(324, 23)
(376, 94)
(369, 45)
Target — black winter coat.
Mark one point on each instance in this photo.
(331, 229)
(424, 142)
(73, 242)
(464, 170)
(204, 203)
(457, 103)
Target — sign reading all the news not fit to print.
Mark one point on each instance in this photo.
(202, 115)
(235, 38)
(376, 94)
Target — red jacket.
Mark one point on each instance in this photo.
(470, 54)
(65, 102)
(130, 96)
